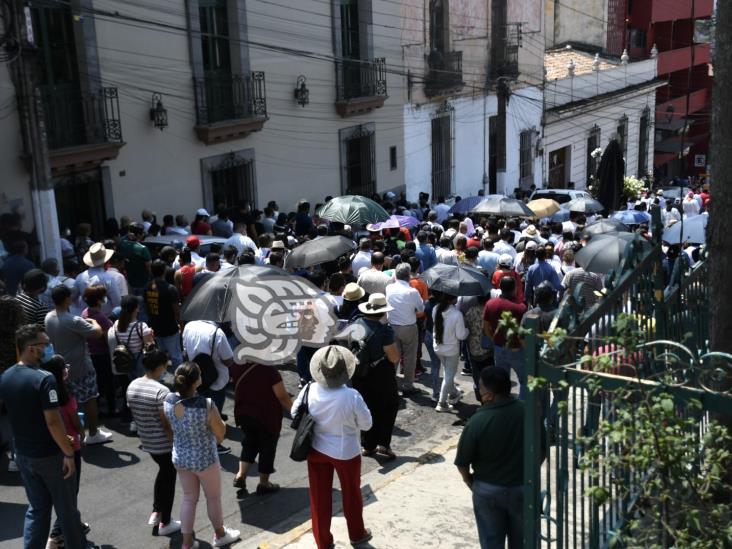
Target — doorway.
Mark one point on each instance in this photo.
(80, 199)
(559, 167)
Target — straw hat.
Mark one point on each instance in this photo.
(353, 292)
(278, 245)
(97, 255)
(376, 305)
(530, 231)
(332, 366)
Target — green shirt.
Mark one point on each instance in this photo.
(136, 255)
(493, 443)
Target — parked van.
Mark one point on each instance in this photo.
(562, 196)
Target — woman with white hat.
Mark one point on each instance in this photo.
(340, 414)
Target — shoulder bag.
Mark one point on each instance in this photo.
(304, 424)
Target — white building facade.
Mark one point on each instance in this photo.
(590, 100)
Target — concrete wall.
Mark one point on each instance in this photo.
(576, 21)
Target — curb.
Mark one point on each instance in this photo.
(299, 524)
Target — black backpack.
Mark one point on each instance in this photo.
(123, 359)
(360, 350)
(205, 361)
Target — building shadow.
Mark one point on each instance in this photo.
(13, 515)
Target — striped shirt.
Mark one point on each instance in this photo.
(34, 312)
(591, 282)
(145, 399)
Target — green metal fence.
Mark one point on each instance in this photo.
(559, 510)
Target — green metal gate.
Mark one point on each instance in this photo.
(570, 400)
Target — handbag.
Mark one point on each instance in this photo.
(304, 424)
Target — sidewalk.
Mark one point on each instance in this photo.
(422, 504)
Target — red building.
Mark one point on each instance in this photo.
(678, 30)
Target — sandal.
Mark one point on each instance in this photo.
(368, 453)
(267, 488)
(386, 452)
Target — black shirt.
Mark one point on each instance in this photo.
(160, 297)
(27, 392)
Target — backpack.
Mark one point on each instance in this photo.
(123, 359)
(360, 350)
(205, 361)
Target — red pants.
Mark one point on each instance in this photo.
(320, 474)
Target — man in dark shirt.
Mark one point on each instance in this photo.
(137, 262)
(34, 284)
(492, 443)
(15, 266)
(43, 452)
(508, 354)
(163, 310)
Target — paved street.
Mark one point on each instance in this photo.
(116, 487)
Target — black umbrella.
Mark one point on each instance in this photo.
(605, 226)
(584, 204)
(611, 173)
(605, 252)
(457, 280)
(211, 298)
(504, 206)
(321, 250)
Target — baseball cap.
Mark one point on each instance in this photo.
(193, 242)
(531, 245)
(203, 211)
(505, 260)
(390, 195)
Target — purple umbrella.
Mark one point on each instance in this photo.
(394, 222)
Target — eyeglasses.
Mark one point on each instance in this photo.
(44, 343)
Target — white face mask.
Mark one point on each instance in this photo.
(105, 300)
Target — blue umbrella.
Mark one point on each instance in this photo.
(465, 205)
(559, 217)
(694, 230)
(632, 217)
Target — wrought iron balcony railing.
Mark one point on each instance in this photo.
(505, 50)
(230, 97)
(74, 118)
(445, 72)
(357, 78)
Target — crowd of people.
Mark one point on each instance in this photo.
(93, 337)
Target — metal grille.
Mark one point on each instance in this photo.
(643, 143)
(442, 153)
(526, 158)
(623, 136)
(360, 158)
(233, 182)
(230, 97)
(593, 142)
(356, 78)
(445, 72)
(616, 26)
(73, 118)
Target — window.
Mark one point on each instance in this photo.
(593, 143)
(229, 179)
(442, 152)
(393, 158)
(623, 135)
(637, 38)
(439, 26)
(358, 160)
(526, 158)
(643, 143)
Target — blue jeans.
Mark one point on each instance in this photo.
(498, 515)
(509, 359)
(47, 489)
(434, 364)
(171, 344)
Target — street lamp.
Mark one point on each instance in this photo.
(158, 113)
(302, 93)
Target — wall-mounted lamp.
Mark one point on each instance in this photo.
(158, 113)
(302, 93)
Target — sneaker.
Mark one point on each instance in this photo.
(132, 427)
(194, 546)
(171, 528)
(12, 466)
(154, 519)
(456, 398)
(466, 372)
(221, 449)
(99, 438)
(85, 527)
(229, 537)
(443, 407)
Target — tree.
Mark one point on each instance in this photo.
(719, 232)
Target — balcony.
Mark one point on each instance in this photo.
(445, 73)
(505, 52)
(360, 86)
(663, 10)
(82, 129)
(680, 59)
(229, 106)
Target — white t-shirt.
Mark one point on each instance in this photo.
(197, 338)
(360, 260)
(97, 276)
(241, 242)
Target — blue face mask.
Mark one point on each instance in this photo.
(48, 352)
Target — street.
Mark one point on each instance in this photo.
(116, 479)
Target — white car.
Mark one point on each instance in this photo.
(562, 196)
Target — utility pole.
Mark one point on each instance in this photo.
(719, 242)
(33, 128)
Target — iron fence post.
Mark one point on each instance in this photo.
(532, 441)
